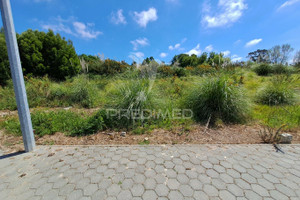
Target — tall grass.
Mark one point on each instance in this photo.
(131, 97)
(279, 91)
(217, 98)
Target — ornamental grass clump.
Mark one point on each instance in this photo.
(216, 98)
(277, 92)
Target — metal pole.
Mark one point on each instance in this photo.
(17, 75)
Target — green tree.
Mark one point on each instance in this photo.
(31, 46)
(4, 63)
(259, 56)
(59, 56)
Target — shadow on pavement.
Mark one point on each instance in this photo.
(11, 155)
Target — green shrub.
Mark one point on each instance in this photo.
(90, 126)
(275, 94)
(7, 97)
(280, 69)
(46, 122)
(216, 98)
(263, 69)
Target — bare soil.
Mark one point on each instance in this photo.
(231, 134)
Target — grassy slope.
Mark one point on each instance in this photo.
(91, 92)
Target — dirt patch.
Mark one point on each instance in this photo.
(232, 134)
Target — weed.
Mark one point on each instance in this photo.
(269, 135)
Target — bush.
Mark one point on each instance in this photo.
(90, 126)
(216, 98)
(275, 94)
(280, 69)
(263, 70)
(47, 123)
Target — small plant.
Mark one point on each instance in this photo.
(145, 142)
(217, 98)
(263, 70)
(270, 135)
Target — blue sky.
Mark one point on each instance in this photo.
(131, 29)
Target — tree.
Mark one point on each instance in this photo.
(215, 59)
(259, 56)
(59, 55)
(4, 63)
(202, 59)
(280, 54)
(185, 60)
(31, 46)
(297, 59)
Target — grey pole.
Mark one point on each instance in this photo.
(17, 75)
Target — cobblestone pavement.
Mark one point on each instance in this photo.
(153, 172)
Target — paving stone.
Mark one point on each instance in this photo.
(90, 189)
(113, 190)
(100, 195)
(235, 190)
(260, 190)
(137, 190)
(150, 195)
(225, 195)
(252, 195)
(175, 195)
(75, 194)
(150, 184)
(200, 195)
(148, 172)
(182, 178)
(210, 190)
(125, 195)
(186, 190)
(162, 190)
(195, 184)
(278, 195)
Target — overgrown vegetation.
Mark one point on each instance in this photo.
(140, 98)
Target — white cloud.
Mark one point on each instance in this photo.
(288, 3)
(137, 56)
(163, 55)
(178, 45)
(139, 43)
(72, 26)
(237, 42)
(118, 17)
(253, 42)
(84, 30)
(195, 51)
(226, 53)
(175, 47)
(209, 48)
(144, 17)
(230, 12)
(236, 58)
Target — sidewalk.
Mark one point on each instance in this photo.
(152, 172)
